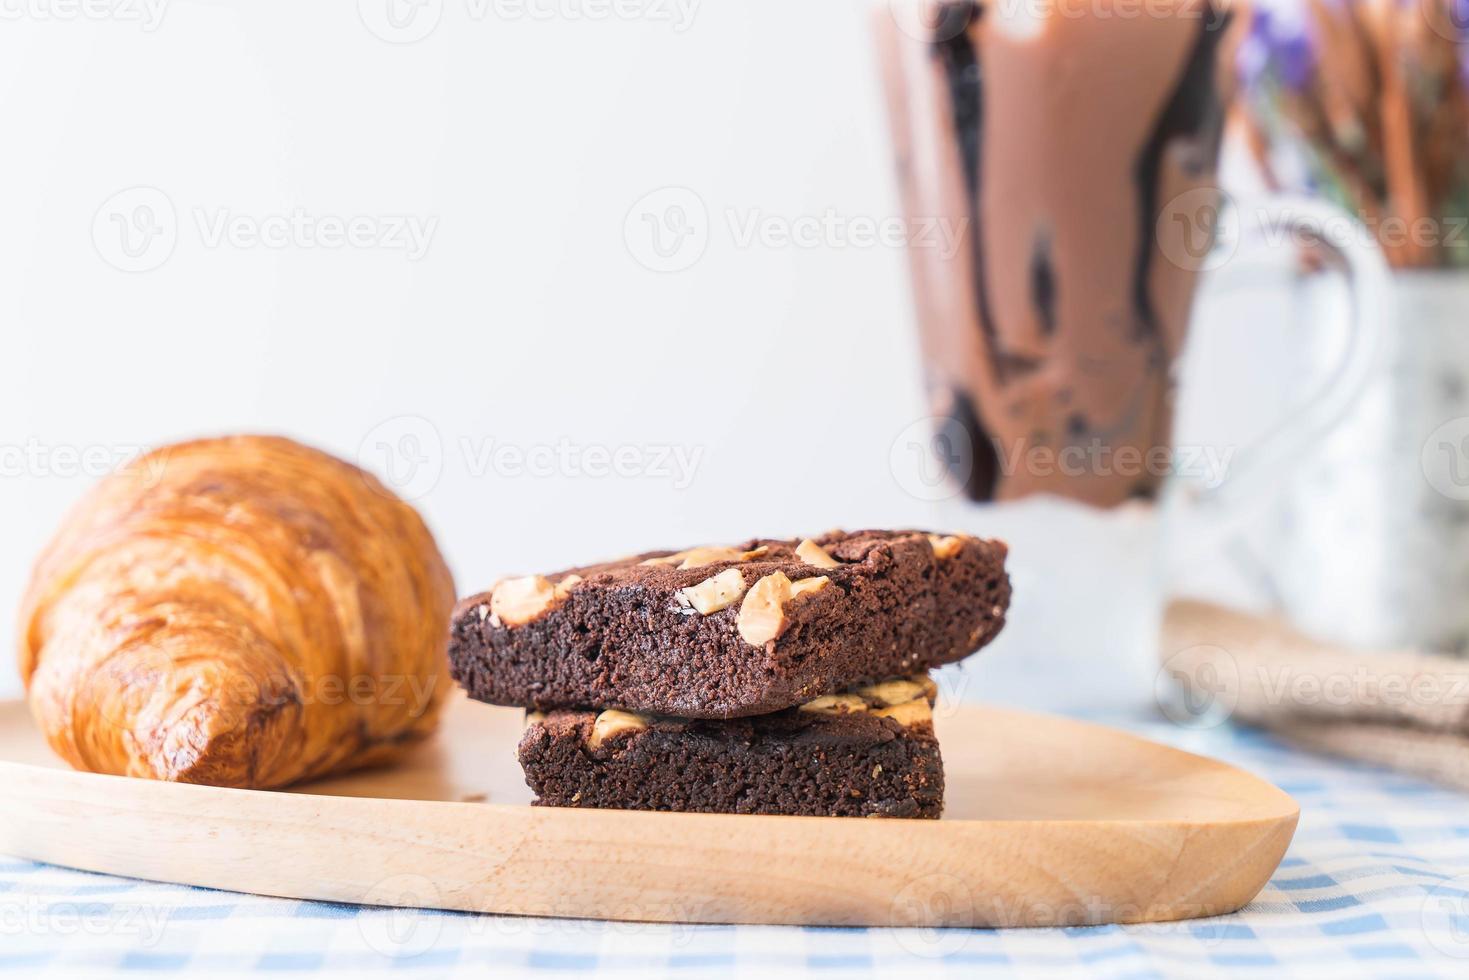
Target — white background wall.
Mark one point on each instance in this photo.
(527, 321)
(525, 147)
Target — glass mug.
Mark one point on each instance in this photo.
(1367, 544)
(1074, 145)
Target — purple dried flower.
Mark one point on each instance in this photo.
(1279, 46)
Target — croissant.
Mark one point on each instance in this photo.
(241, 611)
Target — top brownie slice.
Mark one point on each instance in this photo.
(726, 632)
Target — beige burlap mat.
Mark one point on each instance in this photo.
(1402, 709)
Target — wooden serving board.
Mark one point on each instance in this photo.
(1048, 821)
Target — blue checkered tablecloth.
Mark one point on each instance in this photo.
(1376, 884)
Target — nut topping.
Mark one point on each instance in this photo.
(947, 546)
(814, 554)
(894, 692)
(699, 557)
(809, 585)
(761, 617)
(715, 593)
(611, 722)
(762, 614)
(517, 601)
(930, 689)
(909, 713)
(835, 704)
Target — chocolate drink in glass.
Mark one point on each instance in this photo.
(1054, 135)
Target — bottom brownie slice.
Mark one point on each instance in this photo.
(867, 753)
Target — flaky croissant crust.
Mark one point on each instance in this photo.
(243, 611)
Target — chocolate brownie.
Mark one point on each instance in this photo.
(727, 632)
(867, 753)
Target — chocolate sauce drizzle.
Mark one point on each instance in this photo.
(1043, 284)
(955, 50)
(1193, 112)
